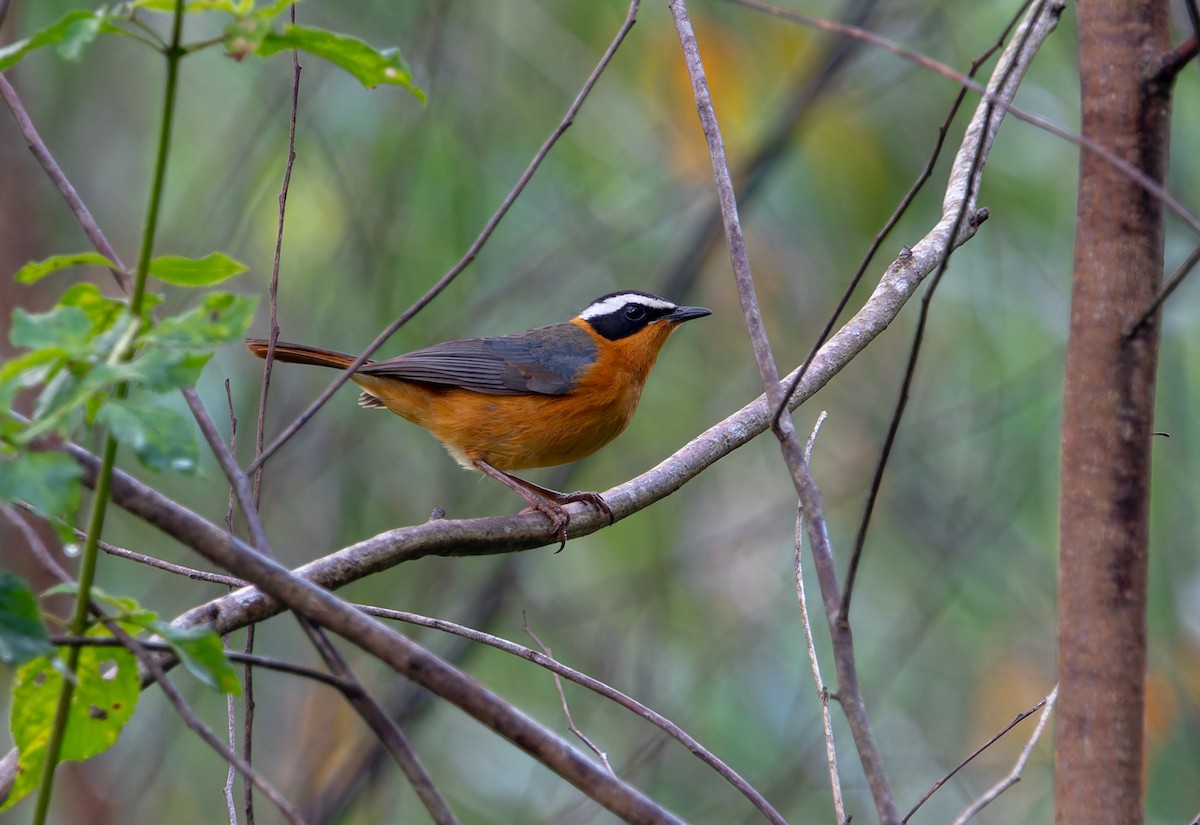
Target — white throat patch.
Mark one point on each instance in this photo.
(614, 302)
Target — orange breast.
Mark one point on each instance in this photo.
(513, 432)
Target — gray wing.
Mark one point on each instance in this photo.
(545, 361)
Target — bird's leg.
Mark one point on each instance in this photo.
(544, 500)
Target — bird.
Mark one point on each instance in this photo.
(536, 398)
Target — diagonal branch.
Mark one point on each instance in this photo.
(396, 650)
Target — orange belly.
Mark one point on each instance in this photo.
(511, 432)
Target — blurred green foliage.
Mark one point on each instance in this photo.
(689, 606)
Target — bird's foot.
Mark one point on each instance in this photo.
(558, 519)
(551, 505)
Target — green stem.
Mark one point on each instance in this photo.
(87, 574)
(174, 53)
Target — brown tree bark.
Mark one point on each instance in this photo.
(1108, 411)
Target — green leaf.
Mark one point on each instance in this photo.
(65, 328)
(22, 634)
(127, 608)
(370, 66)
(206, 271)
(26, 370)
(106, 694)
(201, 651)
(36, 270)
(162, 438)
(102, 310)
(222, 318)
(48, 481)
(159, 369)
(239, 8)
(73, 31)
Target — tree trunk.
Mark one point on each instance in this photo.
(1108, 411)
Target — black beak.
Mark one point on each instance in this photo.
(681, 314)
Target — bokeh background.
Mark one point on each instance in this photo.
(689, 606)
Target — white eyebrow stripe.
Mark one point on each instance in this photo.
(614, 302)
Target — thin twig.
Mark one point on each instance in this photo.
(257, 660)
(151, 561)
(1020, 717)
(273, 286)
(169, 567)
(1007, 76)
(46, 160)
(1014, 775)
(239, 489)
(233, 425)
(472, 251)
(190, 719)
(562, 698)
(1165, 68)
(1193, 13)
(835, 782)
(806, 488)
(1004, 106)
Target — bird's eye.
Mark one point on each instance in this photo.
(634, 312)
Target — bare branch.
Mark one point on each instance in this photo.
(1020, 717)
(835, 783)
(806, 488)
(562, 698)
(1014, 776)
(1169, 65)
(386, 729)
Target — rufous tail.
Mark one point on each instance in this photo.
(301, 354)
